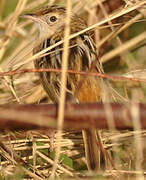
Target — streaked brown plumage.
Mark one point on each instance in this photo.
(50, 22)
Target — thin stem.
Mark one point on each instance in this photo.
(60, 119)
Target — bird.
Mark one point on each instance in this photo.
(82, 54)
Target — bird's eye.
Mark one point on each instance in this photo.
(53, 18)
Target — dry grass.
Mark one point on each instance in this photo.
(121, 43)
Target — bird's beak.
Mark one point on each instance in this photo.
(32, 17)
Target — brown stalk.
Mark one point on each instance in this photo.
(106, 76)
(77, 116)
